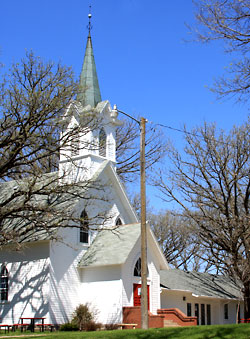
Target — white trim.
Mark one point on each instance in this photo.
(199, 295)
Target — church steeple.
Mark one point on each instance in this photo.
(89, 93)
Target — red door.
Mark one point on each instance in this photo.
(137, 295)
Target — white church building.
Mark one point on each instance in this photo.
(49, 278)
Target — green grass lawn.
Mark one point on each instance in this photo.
(241, 331)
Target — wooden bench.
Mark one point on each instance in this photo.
(6, 327)
(43, 327)
(127, 326)
(21, 326)
(246, 321)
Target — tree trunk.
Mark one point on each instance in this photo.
(247, 300)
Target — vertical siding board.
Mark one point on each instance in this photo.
(28, 283)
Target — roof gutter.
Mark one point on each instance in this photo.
(200, 295)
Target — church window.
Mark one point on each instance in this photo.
(102, 142)
(75, 145)
(137, 269)
(118, 222)
(4, 283)
(84, 229)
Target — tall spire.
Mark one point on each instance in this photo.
(89, 93)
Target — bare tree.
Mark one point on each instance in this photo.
(33, 98)
(228, 20)
(211, 183)
(178, 239)
(128, 149)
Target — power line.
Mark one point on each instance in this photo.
(193, 134)
(179, 130)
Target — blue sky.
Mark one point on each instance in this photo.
(143, 64)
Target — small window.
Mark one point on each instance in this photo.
(4, 283)
(137, 269)
(189, 309)
(118, 222)
(226, 311)
(84, 230)
(102, 142)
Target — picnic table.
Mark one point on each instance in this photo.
(32, 322)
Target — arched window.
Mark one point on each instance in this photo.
(137, 269)
(75, 145)
(118, 222)
(4, 283)
(84, 230)
(102, 142)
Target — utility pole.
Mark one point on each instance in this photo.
(144, 266)
(144, 291)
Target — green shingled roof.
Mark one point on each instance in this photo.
(89, 93)
(200, 284)
(112, 247)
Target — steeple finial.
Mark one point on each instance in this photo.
(89, 16)
(89, 93)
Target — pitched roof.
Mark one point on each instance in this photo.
(200, 284)
(33, 220)
(66, 202)
(89, 86)
(111, 247)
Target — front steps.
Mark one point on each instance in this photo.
(170, 323)
(177, 316)
(168, 317)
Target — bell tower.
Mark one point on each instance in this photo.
(91, 125)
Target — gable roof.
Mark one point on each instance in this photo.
(111, 247)
(200, 284)
(113, 176)
(67, 202)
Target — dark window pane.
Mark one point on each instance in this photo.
(208, 314)
(118, 222)
(189, 309)
(202, 314)
(4, 284)
(137, 269)
(84, 230)
(226, 311)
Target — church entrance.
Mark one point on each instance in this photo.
(137, 295)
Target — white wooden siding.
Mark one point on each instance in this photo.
(28, 283)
